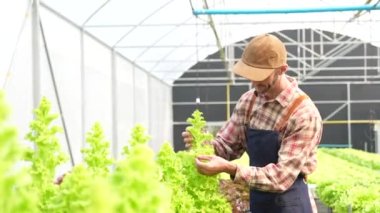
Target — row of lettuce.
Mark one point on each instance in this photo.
(348, 180)
(139, 182)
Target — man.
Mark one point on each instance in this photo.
(277, 124)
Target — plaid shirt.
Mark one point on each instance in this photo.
(299, 138)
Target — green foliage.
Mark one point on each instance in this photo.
(14, 181)
(137, 180)
(137, 184)
(47, 153)
(97, 154)
(83, 191)
(174, 176)
(192, 192)
(197, 130)
(134, 186)
(138, 137)
(342, 184)
(204, 189)
(359, 157)
(87, 188)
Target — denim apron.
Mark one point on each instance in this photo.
(262, 148)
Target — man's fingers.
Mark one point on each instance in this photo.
(188, 142)
(200, 164)
(186, 134)
(203, 164)
(187, 139)
(204, 157)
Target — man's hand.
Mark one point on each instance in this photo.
(187, 139)
(212, 165)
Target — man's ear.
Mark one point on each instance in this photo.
(283, 69)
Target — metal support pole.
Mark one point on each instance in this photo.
(114, 105)
(304, 52)
(36, 78)
(365, 63)
(150, 108)
(349, 114)
(83, 88)
(134, 105)
(322, 52)
(312, 47)
(83, 75)
(300, 75)
(230, 56)
(377, 137)
(378, 61)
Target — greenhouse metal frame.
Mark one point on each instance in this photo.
(123, 72)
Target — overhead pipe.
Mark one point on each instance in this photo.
(280, 11)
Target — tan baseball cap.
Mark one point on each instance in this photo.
(263, 54)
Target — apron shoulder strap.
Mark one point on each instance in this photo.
(282, 123)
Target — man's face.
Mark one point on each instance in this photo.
(267, 84)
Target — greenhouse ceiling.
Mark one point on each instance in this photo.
(165, 38)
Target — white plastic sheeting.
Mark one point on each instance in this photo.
(164, 38)
(112, 90)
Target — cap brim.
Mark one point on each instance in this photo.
(251, 73)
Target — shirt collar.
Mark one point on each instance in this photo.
(286, 95)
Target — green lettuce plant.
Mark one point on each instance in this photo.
(84, 191)
(201, 138)
(174, 176)
(97, 154)
(192, 191)
(343, 185)
(86, 188)
(14, 179)
(46, 154)
(137, 179)
(138, 136)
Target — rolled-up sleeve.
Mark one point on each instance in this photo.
(229, 142)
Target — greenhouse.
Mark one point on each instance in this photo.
(100, 98)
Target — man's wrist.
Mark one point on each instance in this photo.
(231, 168)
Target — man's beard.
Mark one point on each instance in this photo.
(264, 88)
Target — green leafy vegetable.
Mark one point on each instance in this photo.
(47, 153)
(343, 185)
(197, 130)
(14, 180)
(97, 155)
(137, 180)
(191, 190)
